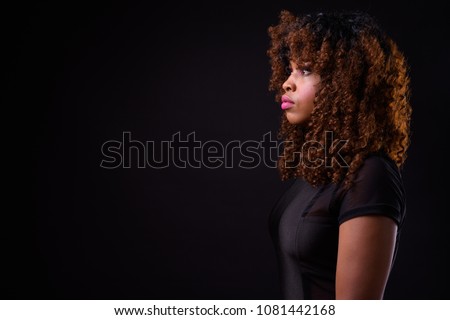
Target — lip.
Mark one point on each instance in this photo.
(286, 103)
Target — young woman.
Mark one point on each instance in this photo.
(343, 85)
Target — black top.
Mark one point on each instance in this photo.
(304, 224)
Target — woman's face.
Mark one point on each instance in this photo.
(300, 89)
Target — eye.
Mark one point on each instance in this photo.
(305, 71)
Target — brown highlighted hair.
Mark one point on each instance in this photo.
(363, 95)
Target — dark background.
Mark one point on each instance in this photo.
(80, 74)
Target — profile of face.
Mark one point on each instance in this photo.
(299, 93)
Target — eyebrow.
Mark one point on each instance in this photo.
(301, 64)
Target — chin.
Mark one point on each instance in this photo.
(295, 119)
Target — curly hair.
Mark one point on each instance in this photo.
(362, 98)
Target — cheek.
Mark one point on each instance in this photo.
(307, 95)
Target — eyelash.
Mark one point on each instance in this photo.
(306, 70)
(289, 71)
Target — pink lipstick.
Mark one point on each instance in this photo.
(286, 103)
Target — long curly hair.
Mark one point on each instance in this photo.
(362, 98)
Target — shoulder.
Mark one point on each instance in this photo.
(377, 189)
(378, 167)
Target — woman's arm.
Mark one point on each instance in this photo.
(366, 248)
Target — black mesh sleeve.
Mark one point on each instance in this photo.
(378, 189)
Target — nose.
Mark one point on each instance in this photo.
(289, 85)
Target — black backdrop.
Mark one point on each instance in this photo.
(80, 74)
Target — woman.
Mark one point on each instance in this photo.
(344, 91)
